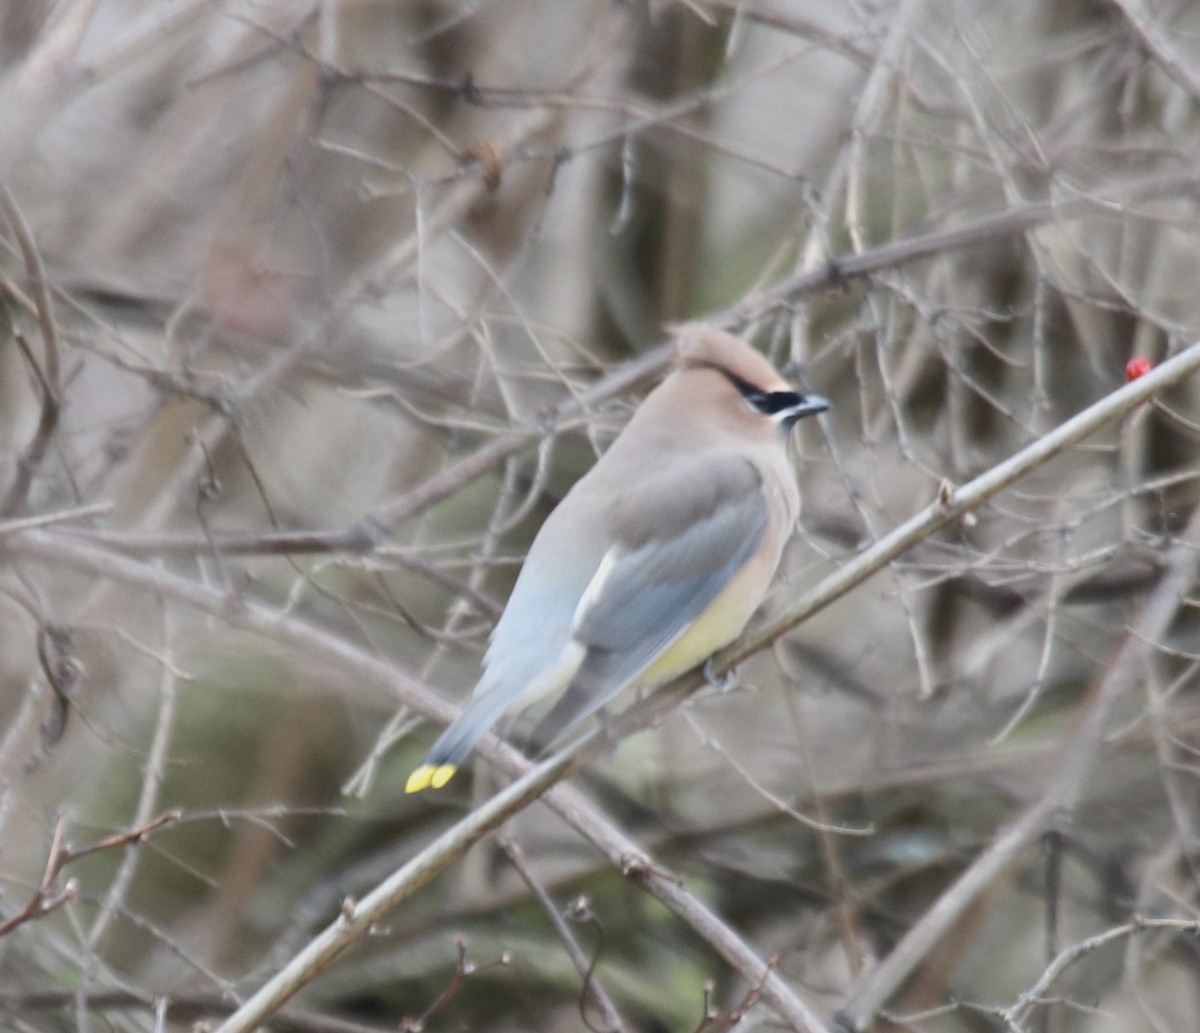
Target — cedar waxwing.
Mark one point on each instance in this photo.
(656, 558)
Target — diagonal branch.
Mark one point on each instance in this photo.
(1009, 222)
(1079, 752)
(953, 503)
(1157, 42)
(364, 670)
(534, 782)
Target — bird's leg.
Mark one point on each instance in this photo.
(721, 682)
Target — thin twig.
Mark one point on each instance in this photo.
(1159, 45)
(444, 484)
(360, 539)
(465, 969)
(152, 781)
(613, 1022)
(806, 28)
(195, 1006)
(1072, 954)
(49, 374)
(232, 543)
(44, 898)
(61, 516)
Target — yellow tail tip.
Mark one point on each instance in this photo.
(436, 775)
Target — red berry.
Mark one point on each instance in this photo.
(1135, 368)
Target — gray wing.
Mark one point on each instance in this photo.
(679, 538)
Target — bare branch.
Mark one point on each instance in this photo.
(45, 899)
(49, 373)
(1078, 755)
(535, 780)
(1034, 995)
(593, 989)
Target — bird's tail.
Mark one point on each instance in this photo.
(453, 745)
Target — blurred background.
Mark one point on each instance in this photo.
(274, 266)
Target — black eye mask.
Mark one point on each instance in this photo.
(786, 406)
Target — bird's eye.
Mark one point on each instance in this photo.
(769, 403)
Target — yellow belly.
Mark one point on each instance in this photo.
(718, 625)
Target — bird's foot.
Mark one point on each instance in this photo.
(720, 682)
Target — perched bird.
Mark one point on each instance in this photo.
(656, 558)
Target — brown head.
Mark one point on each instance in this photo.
(728, 378)
(701, 346)
(722, 394)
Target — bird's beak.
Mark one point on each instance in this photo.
(804, 405)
